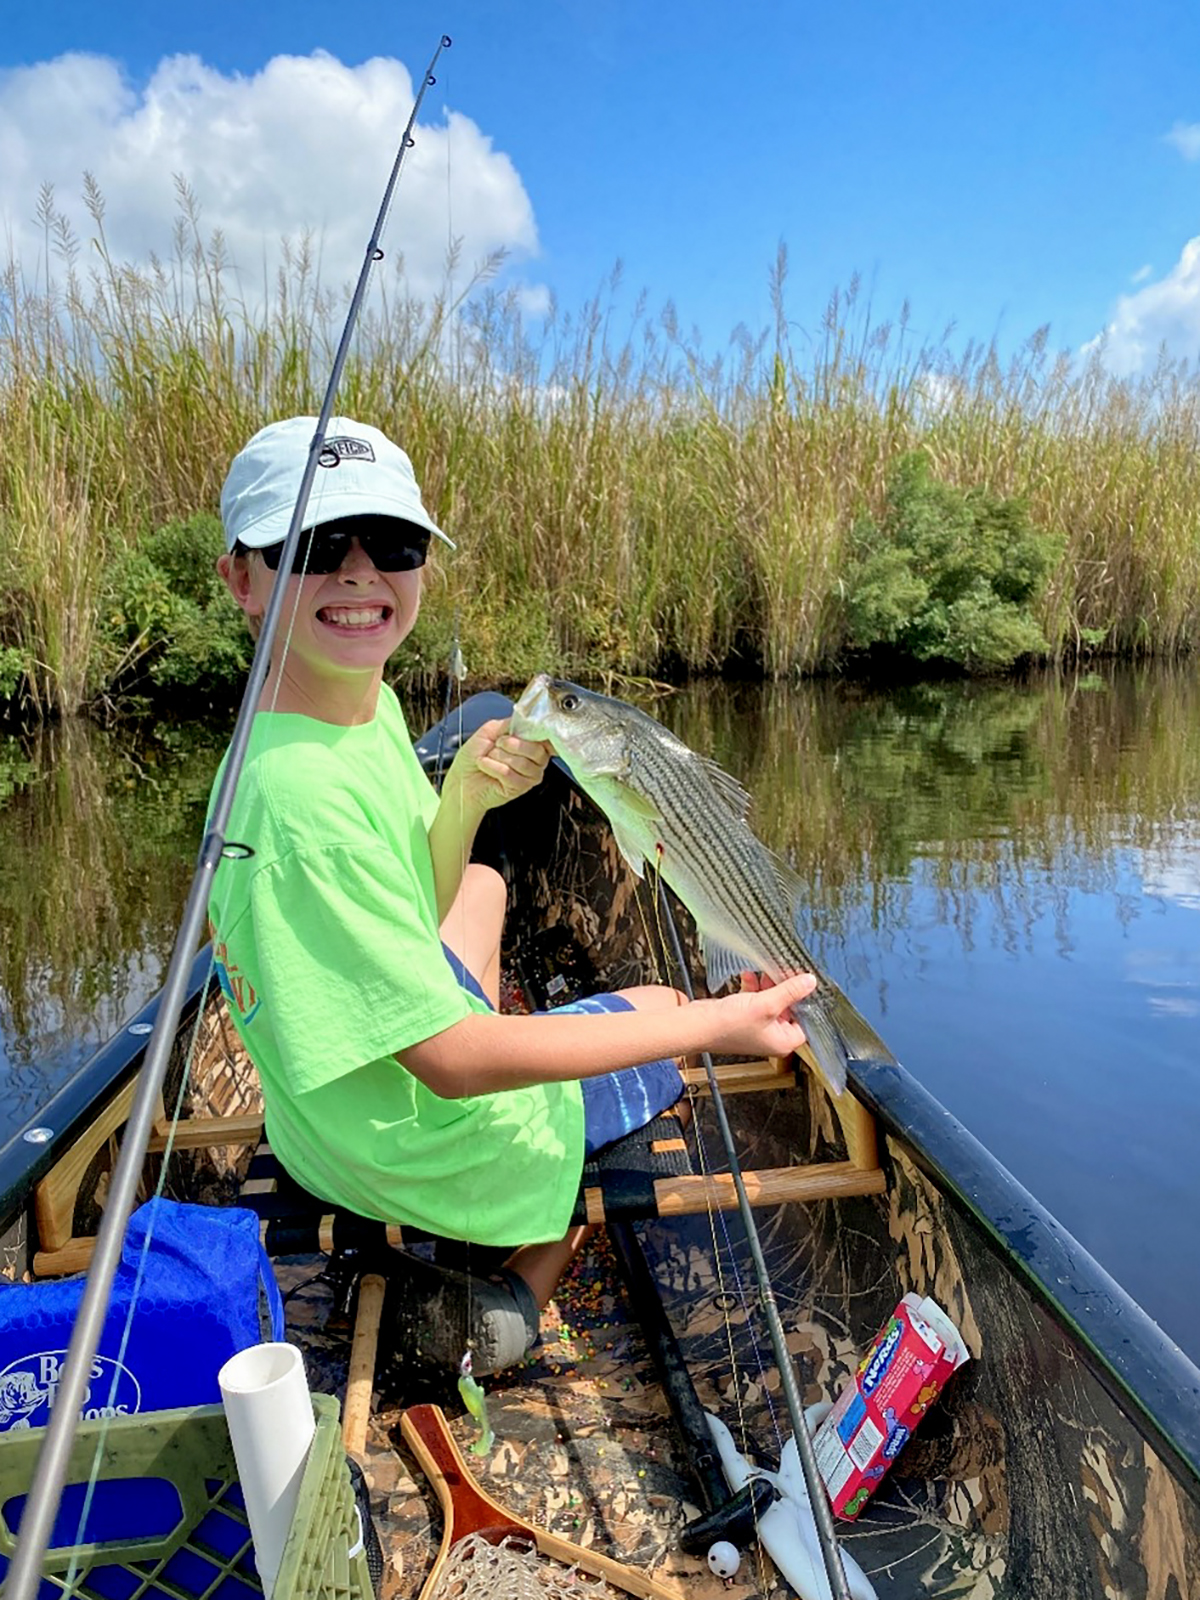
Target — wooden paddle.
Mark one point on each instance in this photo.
(466, 1509)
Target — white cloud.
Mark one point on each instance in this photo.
(535, 301)
(935, 393)
(1171, 869)
(1142, 274)
(1185, 137)
(1163, 315)
(305, 144)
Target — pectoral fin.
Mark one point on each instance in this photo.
(634, 820)
(630, 847)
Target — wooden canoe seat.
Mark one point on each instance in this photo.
(56, 1196)
(649, 1173)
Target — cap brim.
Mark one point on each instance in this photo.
(273, 528)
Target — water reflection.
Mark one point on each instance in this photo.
(1005, 879)
(98, 836)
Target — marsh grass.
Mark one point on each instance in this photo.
(621, 499)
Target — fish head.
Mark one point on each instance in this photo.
(591, 732)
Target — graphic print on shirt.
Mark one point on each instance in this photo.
(235, 985)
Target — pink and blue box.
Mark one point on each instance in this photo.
(200, 1289)
(896, 1382)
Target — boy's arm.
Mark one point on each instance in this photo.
(494, 766)
(483, 1054)
(451, 837)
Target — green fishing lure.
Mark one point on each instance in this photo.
(475, 1401)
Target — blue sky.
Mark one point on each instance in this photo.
(1000, 167)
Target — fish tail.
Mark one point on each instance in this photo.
(837, 1035)
(823, 1040)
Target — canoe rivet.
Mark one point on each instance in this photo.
(141, 1027)
(38, 1135)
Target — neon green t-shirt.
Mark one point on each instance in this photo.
(328, 951)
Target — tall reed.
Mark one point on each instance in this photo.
(622, 499)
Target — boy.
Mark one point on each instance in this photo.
(392, 1084)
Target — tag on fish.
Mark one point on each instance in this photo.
(475, 1401)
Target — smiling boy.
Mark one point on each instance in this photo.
(392, 1084)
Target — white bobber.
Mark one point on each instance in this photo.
(723, 1558)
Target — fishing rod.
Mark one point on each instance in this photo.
(822, 1515)
(45, 1492)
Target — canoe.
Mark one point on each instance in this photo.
(1062, 1460)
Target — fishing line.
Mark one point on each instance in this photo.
(713, 1212)
(45, 1492)
(822, 1515)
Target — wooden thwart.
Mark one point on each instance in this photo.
(744, 1077)
(197, 1133)
(686, 1195)
(56, 1196)
(714, 1191)
(57, 1193)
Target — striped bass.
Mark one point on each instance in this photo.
(686, 816)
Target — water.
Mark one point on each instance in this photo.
(99, 832)
(1006, 880)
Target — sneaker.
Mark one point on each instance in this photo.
(438, 1314)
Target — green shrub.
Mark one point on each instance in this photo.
(169, 619)
(12, 670)
(948, 574)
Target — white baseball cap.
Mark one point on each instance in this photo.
(360, 472)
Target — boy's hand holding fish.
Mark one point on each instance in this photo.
(759, 1020)
(494, 766)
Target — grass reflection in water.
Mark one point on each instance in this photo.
(1008, 795)
(98, 836)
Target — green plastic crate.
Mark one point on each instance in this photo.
(206, 1554)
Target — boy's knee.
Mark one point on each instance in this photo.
(480, 903)
(654, 997)
(486, 885)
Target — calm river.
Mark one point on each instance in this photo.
(1005, 879)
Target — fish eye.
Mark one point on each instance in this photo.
(570, 702)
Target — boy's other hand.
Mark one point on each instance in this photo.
(495, 766)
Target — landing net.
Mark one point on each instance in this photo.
(511, 1570)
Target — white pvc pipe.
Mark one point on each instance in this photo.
(270, 1415)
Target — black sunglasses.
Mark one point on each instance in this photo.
(401, 548)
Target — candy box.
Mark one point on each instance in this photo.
(873, 1418)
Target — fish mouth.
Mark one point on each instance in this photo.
(532, 709)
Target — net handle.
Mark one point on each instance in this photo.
(466, 1509)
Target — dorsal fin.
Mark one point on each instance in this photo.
(726, 787)
(791, 885)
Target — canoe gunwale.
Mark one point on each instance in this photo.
(1143, 1370)
(76, 1103)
